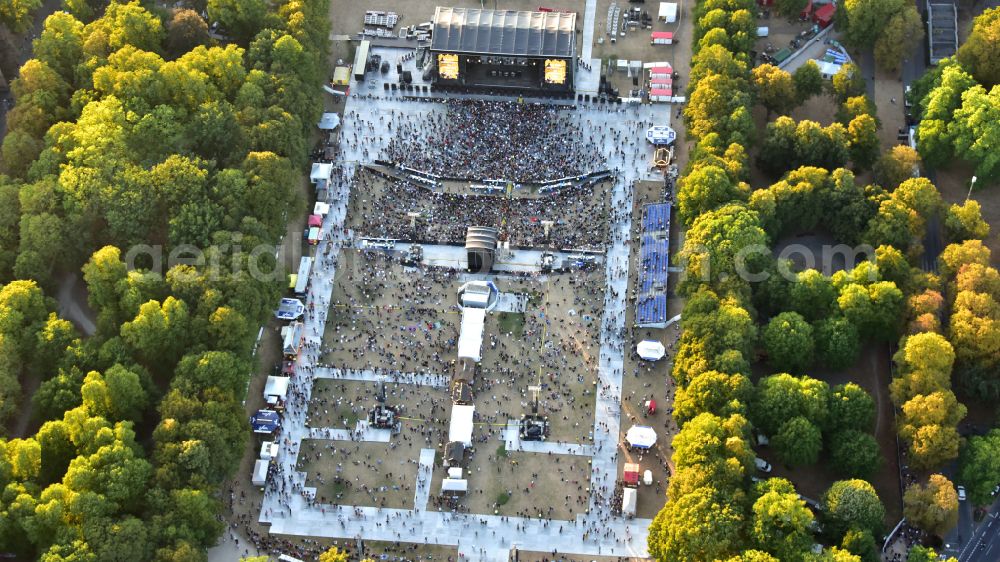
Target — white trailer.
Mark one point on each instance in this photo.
(302, 280)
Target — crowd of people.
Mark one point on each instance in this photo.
(576, 215)
(391, 319)
(484, 140)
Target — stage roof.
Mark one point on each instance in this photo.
(504, 32)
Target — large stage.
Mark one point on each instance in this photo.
(504, 49)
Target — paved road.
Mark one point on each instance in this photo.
(986, 545)
(980, 542)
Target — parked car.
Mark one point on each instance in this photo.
(961, 493)
(762, 465)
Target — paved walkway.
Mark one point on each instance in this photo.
(361, 432)
(369, 375)
(424, 477)
(511, 302)
(589, 18)
(478, 537)
(513, 442)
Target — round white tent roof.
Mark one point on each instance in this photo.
(650, 350)
(641, 436)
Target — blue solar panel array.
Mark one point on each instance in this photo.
(654, 254)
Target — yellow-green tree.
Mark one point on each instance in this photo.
(932, 506)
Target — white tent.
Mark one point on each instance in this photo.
(470, 338)
(668, 12)
(455, 472)
(629, 498)
(321, 171)
(454, 486)
(268, 450)
(460, 429)
(260, 467)
(329, 122)
(827, 69)
(292, 338)
(321, 208)
(276, 386)
(650, 350)
(763, 31)
(641, 436)
(647, 478)
(475, 299)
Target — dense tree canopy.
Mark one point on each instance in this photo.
(128, 131)
(789, 144)
(723, 246)
(732, 283)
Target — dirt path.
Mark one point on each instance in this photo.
(72, 297)
(22, 423)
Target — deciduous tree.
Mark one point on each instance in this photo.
(896, 165)
(896, 41)
(705, 188)
(788, 340)
(780, 522)
(16, 14)
(718, 393)
(775, 88)
(808, 81)
(185, 31)
(853, 503)
(854, 454)
(782, 397)
(798, 442)
(980, 54)
(933, 506)
(837, 342)
(848, 82)
(979, 466)
(866, 20)
(965, 221)
(975, 129)
(863, 134)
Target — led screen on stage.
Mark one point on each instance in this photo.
(448, 66)
(555, 71)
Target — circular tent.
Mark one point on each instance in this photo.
(641, 436)
(650, 350)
